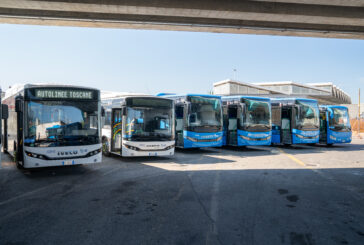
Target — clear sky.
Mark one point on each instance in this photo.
(161, 61)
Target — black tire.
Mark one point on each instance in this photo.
(19, 166)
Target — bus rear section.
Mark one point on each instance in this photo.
(198, 120)
(139, 126)
(334, 125)
(295, 121)
(247, 121)
(53, 125)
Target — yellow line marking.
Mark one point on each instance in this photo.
(293, 158)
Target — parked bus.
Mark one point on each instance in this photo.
(247, 121)
(295, 121)
(138, 126)
(53, 125)
(3, 116)
(198, 120)
(334, 124)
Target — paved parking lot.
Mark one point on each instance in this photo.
(302, 195)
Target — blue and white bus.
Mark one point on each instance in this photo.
(295, 121)
(334, 124)
(53, 125)
(247, 121)
(198, 120)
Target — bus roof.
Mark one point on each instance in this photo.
(106, 95)
(170, 95)
(17, 88)
(292, 99)
(116, 102)
(333, 106)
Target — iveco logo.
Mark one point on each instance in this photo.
(152, 145)
(67, 153)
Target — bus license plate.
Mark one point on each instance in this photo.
(67, 162)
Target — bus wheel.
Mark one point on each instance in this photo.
(19, 166)
(329, 145)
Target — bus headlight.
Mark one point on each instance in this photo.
(169, 147)
(93, 152)
(332, 137)
(192, 139)
(39, 156)
(130, 147)
(244, 137)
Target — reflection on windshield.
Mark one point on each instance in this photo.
(148, 123)
(339, 118)
(257, 115)
(307, 115)
(61, 123)
(205, 112)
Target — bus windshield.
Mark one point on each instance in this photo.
(148, 123)
(339, 118)
(149, 119)
(205, 112)
(307, 116)
(61, 123)
(257, 116)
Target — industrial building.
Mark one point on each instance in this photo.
(325, 93)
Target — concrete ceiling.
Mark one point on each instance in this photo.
(321, 18)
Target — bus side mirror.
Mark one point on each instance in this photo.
(123, 111)
(5, 112)
(18, 106)
(102, 111)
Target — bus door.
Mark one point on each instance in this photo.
(276, 123)
(232, 130)
(323, 126)
(18, 145)
(286, 129)
(116, 130)
(179, 124)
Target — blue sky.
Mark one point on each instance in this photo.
(163, 61)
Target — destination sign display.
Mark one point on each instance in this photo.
(63, 94)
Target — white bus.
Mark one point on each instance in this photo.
(53, 125)
(138, 125)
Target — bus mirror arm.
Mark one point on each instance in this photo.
(102, 111)
(5, 112)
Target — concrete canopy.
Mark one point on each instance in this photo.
(322, 18)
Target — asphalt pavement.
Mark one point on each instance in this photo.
(302, 195)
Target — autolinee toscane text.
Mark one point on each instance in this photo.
(63, 94)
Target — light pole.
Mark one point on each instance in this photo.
(359, 114)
